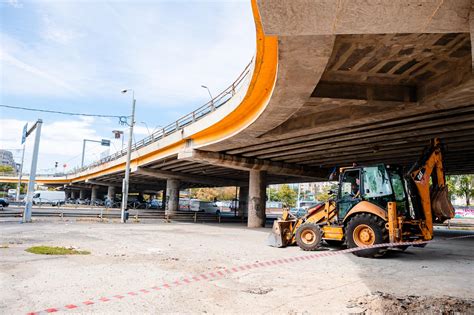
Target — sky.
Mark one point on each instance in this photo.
(76, 56)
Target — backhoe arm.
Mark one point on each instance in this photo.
(435, 203)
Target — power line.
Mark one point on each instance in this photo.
(122, 118)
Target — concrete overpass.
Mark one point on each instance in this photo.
(331, 83)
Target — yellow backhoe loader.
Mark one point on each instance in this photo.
(375, 204)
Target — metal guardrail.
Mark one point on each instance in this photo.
(182, 122)
(178, 125)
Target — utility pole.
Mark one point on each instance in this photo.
(125, 184)
(34, 163)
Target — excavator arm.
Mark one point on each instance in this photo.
(428, 176)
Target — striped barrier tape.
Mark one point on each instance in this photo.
(222, 273)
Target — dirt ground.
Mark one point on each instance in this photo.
(132, 268)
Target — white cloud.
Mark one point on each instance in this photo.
(59, 34)
(97, 48)
(60, 141)
(15, 3)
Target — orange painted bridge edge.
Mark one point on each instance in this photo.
(255, 101)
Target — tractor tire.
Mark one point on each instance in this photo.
(364, 230)
(334, 243)
(309, 236)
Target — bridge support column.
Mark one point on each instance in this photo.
(73, 194)
(94, 192)
(172, 196)
(111, 193)
(256, 207)
(82, 194)
(163, 199)
(243, 201)
(68, 193)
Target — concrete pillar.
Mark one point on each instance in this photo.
(257, 190)
(172, 196)
(243, 201)
(111, 193)
(73, 194)
(68, 193)
(94, 192)
(82, 194)
(163, 199)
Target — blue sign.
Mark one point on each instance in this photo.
(23, 136)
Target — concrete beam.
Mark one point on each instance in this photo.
(191, 178)
(99, 183)
(248, 164)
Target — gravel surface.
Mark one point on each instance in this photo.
(133, 257)
(384, 303)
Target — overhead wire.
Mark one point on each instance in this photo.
(122, 118)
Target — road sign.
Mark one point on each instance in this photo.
(105, 143)
(23, 136)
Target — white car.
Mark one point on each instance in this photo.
(204, 206)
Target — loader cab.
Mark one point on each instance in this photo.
(377, 184)
(349, 190)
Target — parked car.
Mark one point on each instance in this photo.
(3, 203)
(11, 193)
(154, 204)
(298, 212)
(204, 206)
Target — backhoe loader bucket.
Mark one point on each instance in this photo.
(281, 234)
(441, 205)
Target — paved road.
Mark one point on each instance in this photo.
(135, 257)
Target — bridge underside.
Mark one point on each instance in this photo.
(380, 98)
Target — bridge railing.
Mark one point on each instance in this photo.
(182, 122)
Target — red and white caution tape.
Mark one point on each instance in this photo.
(222, 273)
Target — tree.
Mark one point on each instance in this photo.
(6, 169)
(324, 195)
(211, 194)
(462, 186)
(272, 194)
(287, 196)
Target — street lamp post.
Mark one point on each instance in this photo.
(125, 184)
(210, 95)
(146, 125)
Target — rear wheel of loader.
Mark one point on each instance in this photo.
(364, 230)
(308, 236)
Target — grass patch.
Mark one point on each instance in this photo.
(50, 250)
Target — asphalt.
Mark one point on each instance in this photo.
(128, 261)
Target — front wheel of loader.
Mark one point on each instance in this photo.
(364, 230)
(308, 236)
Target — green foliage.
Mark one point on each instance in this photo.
(324, 195)
(272, 194)
(286, 195)
(461, 186)
(6, 169)
(211, 194)
(49, 250)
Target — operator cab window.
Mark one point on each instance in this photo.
(376, 182)
(350, 184)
